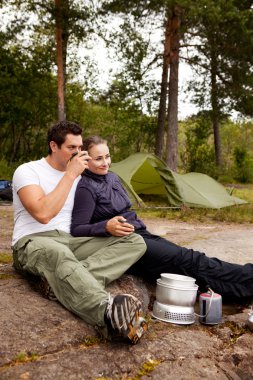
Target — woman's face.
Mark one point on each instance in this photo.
(100, 159)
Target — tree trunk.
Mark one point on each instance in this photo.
(215, 108)
(17, 133)
(172, 130)
(60, 61)
(164, 92)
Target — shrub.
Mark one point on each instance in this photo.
(243, 165)
(7, 169)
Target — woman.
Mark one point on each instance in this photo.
(102, 208)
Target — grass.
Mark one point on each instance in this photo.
(156, 208)
(147, 368)
(23, 357)
(5, 258)
(7, 276)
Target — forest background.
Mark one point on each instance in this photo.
(44, 78)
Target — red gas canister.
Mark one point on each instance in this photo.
(210, 308)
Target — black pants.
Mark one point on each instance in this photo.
(230, 280)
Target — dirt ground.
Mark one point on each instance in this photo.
(42, 340)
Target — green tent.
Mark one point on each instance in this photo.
(143, 173)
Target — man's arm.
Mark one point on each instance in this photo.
(43, 207)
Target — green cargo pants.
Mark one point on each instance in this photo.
(78, 268)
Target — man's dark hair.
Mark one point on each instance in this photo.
(58, 132)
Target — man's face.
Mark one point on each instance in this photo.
(63, 153)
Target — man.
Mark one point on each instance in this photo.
(77, 269)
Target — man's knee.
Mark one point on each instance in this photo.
(139, 244)
(38, 253)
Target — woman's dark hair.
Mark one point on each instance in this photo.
(91, 141)
(58, 132)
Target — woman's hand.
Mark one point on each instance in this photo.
(118, 226)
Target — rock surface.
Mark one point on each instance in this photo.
(41, 340)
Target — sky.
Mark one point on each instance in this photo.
(185, 106)
(104, 65)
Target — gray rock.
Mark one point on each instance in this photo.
(42, 340)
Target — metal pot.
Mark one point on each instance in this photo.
(172, 295)
(177, 280)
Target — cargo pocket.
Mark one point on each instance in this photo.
(19, 254)
(77, 284)
(72, 279)
(26, 256)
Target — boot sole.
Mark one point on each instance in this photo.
(137, 330)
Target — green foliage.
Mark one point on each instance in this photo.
(113, 116)
(123, 123)
(196, 148)
(7, 169)
(28, 103)
(125, 113)
(223, 60)
(235, 135)
(197, 154)
(243, 165)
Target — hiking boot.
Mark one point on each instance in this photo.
(46, 290)
(122, 314)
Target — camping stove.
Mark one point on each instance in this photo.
(182, 315)
(175, 299)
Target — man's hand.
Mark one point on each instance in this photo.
(78, 163)
(118, 226)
